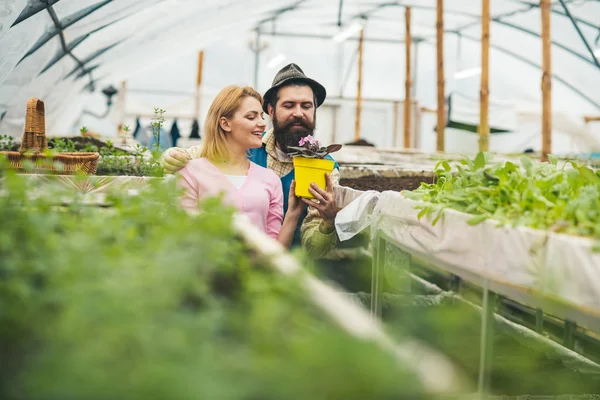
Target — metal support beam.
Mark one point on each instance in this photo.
(531, 63)
(465, 13)
(587, 45)
(568, 338)
(494, 18)
(325, 37)
(257, 48)
(256, 57)
(377, 276)
(558, 12)
(497, 20)
(346, 79)
(63, 42)
(487, 341)
(539, 320)
(339, 22)
(415, 67)
(277, 13)
(32, 8)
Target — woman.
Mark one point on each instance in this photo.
(234, 124)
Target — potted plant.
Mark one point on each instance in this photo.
(311, 163)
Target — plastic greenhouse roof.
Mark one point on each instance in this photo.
(58, 50)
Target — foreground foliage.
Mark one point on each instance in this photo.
(141, 301)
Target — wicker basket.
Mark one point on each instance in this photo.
(34, 143)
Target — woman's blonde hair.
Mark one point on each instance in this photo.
(225, 105)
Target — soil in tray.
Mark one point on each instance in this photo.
(381, 184)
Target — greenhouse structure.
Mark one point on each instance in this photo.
(299, 199)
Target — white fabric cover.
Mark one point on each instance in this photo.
(558, 266)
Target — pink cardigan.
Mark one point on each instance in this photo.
(260, 197)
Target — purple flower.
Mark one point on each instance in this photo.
(309, 142)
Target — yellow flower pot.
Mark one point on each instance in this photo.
(308, 170)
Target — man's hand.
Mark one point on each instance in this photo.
(175, 159)
(326, 203)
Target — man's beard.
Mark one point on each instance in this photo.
(287, 135)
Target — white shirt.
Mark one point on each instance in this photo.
(281, 156)
(236, 180)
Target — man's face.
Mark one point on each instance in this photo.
(294, 115)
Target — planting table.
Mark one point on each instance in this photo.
(557, 272)
(554, 274)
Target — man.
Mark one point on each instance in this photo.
(291, 103)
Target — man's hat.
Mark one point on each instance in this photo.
(289, 74)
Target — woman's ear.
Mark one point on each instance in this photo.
(224, 123)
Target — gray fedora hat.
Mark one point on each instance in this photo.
(289, 74)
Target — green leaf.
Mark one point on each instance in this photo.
(477, 219)
(490, 176)
(479, 161)
(437, 217)
(573, 164)
(553, 159)
(446, 166)
(510, 167)
(526, 163)
(589, 175)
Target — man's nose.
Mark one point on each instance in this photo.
(297, 112)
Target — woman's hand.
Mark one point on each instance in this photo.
(295, 209)
(295, 206)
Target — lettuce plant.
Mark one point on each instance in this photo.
(544, 196)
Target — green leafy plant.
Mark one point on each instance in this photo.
(62, 145)
(113, 161)
(7, 143)
(542, 195)
(157, 123)
(83, 130)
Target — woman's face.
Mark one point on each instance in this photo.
(247, 125)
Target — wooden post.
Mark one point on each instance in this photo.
(546, 81)
(408, 83)
(198, 85)
(484, 94)
(359, 89)
(395, 137)
(591, 118)
(334, 124)
(441, 108)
